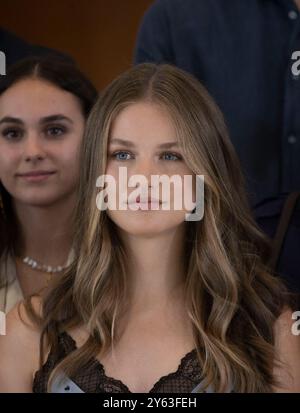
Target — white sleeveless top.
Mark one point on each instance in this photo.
(11, 293)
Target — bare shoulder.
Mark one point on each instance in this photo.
(287, 348)
(19, 350)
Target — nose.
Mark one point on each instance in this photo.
(33, 148)
(146, 167)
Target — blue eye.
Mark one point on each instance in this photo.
(173, 155)
(125, 156)
(121, 158)
(12, 134)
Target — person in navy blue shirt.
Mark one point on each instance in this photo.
(268, 214)
(241, 50)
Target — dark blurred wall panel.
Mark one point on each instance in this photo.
(98, 34)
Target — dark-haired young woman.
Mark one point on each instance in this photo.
(44, 103)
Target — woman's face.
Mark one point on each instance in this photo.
(143, 139)
(41, 128)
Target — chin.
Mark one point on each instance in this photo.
(44, 200)
(147, 226)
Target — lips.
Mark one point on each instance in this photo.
(146, 200)
(36, 176)
(36, 173)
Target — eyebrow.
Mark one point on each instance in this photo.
(54, 118)
(10, 119)
(46, 119)
(130, 144)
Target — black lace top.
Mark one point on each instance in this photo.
(94, 380)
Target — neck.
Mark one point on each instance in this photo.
(156, 268)
(46, 232)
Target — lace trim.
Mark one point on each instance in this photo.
(68, 342)
(180, 370)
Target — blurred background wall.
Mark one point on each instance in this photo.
(99, 34)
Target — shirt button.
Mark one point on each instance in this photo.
(293, 15)
(292, 139)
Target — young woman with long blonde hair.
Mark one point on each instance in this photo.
(154, 302)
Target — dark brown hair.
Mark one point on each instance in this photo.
(63, 74)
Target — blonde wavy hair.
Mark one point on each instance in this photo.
(232, 298)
